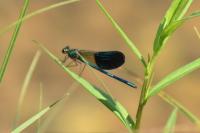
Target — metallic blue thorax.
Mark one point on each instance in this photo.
(73, 54)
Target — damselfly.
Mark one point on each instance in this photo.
(100, 61)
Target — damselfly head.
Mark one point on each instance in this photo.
(65, 50)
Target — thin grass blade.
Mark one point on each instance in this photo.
(128, 41)
(37, 12)
(25, 85)
(34, 118)
(192, 15)
(40, 107)
(99, 94)
(180, 107)
(170, 125)
(173, 102)
(172, 77)
(13, 40)
(59, 107)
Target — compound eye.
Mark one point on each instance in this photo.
(65, 50)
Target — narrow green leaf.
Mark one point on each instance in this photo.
(103, 97)
(170, 29)
(30, 121)
(122, 33)
(168, 18)
(173, 102)
(171, 78)
(170, 125)
(192, 15)
(37, 12)
(13, 40)
(175, 13)
(34, 118)
(25, 86)
(180, 107)
(181, 9)
(171, 13)
(59, 107)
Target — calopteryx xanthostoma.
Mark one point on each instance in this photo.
(101, 61)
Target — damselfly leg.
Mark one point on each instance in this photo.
(65, 59)
(74, 63)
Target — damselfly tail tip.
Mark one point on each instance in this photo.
(133, 85)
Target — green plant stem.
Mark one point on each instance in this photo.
(145, 87)
(141, 104)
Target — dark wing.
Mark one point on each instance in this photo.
(105, 60)
(109, 59)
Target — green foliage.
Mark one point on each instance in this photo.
(169, 23)
(37, 12)
(180, 107)
(99, 94)
(169, 127)
(122, 34)
(174, 76)
(173, 19)
(34, 118)
(13, 40)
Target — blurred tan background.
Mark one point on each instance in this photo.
(82, 25)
